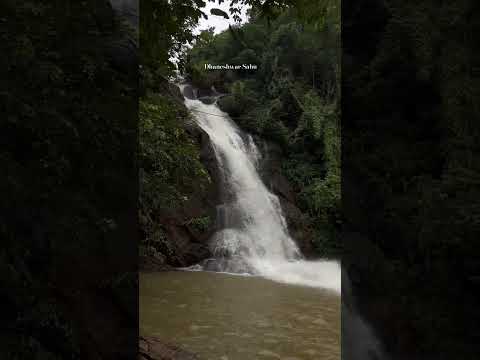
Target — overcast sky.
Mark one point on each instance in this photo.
(218, 22)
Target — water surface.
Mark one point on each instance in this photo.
(232, 317)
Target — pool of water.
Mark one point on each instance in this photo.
(232, 317)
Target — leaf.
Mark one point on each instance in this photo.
(218, 12)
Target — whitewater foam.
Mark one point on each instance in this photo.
(253, 233)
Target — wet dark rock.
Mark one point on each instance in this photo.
(183, 248)
(205, 92)
(152, 348)
(299, 223)
(185, 229)
(299, 226)
(196, 253)
(208, 99)
(210, 265)
(175, 91)
(153, 262)
(233, 264)
(207, 157)
(188, 92)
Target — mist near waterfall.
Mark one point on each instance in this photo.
(252, 235)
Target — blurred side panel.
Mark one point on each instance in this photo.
(411, 170)
(69, 181)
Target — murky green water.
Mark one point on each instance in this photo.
(227, 317)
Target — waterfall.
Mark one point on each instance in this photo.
(253, 235)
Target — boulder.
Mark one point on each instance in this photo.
(208, 99)
(149, 262)
(233, 264)
(299, 223)
(299, 226)
(182, 247)
(205, 92)
(175, 91)
(196, 253)
(184, 243)
(152, 348)
(271, 170)
(188, 92)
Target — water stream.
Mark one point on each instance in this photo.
(253, 235)
(264, 300)
(222, 316)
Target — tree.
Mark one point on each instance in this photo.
(166, 25)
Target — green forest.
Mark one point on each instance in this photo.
(287, 209)
(409, 147)
(370, 114)
(293, 100)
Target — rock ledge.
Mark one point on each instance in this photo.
(151, 348)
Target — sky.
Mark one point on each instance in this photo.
(218, 22)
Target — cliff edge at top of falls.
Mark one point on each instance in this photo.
(176, 232)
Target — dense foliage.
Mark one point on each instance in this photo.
(67, 152)
(165, 27)
(170, 169)
(292, 99)
(411, 169)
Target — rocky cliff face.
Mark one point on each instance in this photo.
(178, 235)
(151, 348)
(184, 232)
(188, 239)
(299, 224)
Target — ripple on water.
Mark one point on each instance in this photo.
(271, 341)
(246, 318)
(320, 321)
(269, 354)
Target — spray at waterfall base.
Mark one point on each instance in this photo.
(253, 234)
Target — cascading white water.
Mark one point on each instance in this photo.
(254, 234)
